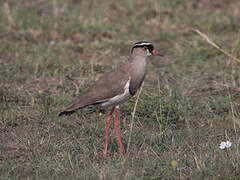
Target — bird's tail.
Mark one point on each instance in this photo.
(66, 112)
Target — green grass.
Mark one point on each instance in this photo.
(50, 51)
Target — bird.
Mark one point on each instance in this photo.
(116, 87)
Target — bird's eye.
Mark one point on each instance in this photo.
(145, 48)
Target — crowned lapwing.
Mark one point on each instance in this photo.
(116, 87)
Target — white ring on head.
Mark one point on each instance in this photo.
(143, 44)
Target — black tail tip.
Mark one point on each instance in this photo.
(65, 113)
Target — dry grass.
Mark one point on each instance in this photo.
(209, 41)
(50, 51)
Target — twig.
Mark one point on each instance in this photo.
(8, 14)
(235, 120)
(70, 161)
(133, 115)
(206, 38)
(131, 127)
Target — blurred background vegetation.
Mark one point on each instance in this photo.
(50, 51)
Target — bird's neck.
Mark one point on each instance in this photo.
(139, 61)
(138, 65)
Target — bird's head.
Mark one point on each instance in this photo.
(145, 49)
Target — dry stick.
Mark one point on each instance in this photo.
(226, 53)
(235, 120)
(8, 14)
(133, 115)
(131, 127)
(206, 38)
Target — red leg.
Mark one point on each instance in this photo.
(107, 126)
(116, 127)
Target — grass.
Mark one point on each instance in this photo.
(50, 51)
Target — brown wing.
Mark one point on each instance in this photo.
(108, 86)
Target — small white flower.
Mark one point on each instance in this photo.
(226, 144)
(222, 145)
(52, 42)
